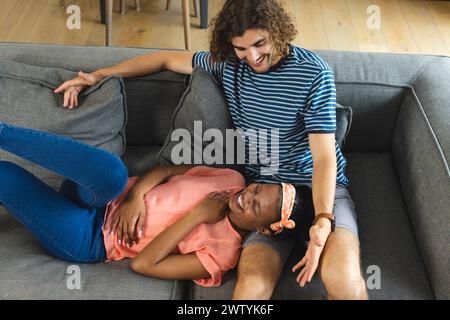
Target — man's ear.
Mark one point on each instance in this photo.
(265, 231)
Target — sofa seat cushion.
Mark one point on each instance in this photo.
(29, 272)
(386, 237)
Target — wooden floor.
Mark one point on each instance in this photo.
(407, 26)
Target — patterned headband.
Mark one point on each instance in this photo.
(286, 209)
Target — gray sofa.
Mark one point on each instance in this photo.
(398, 153)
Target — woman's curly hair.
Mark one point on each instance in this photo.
(237, 16)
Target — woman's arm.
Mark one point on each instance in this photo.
(156, 176)
(131, 214)
(156, 259)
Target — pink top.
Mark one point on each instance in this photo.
(216, 245)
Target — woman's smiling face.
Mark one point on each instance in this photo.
(256, 206)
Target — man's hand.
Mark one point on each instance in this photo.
(214, 207)
(318, 235)
(73, 87)
(128, 221)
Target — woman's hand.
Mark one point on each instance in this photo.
(73, 87)
(129, 220)
(214, 207)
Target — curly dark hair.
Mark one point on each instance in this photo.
(302, 213)
(237, 16)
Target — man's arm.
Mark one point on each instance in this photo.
(176, 61)
(323, 150)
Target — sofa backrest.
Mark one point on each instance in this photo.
(151, 102)
(372, 84)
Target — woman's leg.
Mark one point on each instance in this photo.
(94, 176)
(65, 229)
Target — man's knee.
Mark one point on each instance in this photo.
(258, 272)
(344, 282)
(340, 268)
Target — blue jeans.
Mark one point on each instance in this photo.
(67, 223)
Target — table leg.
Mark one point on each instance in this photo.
(102, 11)
(204, 14)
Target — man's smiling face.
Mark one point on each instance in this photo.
(256, 49)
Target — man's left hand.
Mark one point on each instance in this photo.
(318, 235)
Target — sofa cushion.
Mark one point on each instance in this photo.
(344, 117)
(202, 107)
(27, 100)
(29, 272)
(151, 99)
(204, 102)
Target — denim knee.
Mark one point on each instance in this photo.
(118, 175)
(10, 173)
(9, 170)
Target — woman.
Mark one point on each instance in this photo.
(176, 222)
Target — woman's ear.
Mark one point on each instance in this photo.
(265, 231)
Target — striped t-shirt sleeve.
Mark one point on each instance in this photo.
(320, 116)
(203, 59)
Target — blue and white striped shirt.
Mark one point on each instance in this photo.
(297, 96)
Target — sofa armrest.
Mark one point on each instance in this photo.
(421, 152)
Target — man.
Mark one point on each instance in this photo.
(270, 84)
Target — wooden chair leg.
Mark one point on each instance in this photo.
(187, 24)
(122, 7)
(62, 3)
(167, 4)
(196, 7)
(108, 21)
(138, 5)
